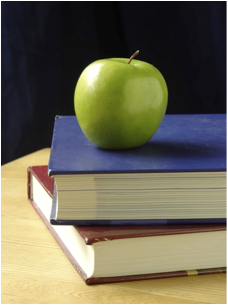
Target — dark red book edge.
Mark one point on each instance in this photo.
(90, 281)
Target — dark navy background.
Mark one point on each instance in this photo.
(46, 45)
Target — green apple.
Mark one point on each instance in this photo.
(120, 102)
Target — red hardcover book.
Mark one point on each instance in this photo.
(105, 254)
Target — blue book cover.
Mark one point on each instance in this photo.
(183, 143)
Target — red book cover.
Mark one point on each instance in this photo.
(94, 234)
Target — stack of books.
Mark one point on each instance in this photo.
(155, 211)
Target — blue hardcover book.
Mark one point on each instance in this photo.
(178, 176)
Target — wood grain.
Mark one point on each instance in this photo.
(35, 270)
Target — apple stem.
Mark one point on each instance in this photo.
(133, 56)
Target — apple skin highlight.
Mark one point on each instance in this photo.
(120, 105)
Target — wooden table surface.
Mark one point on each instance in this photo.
(35, 270)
